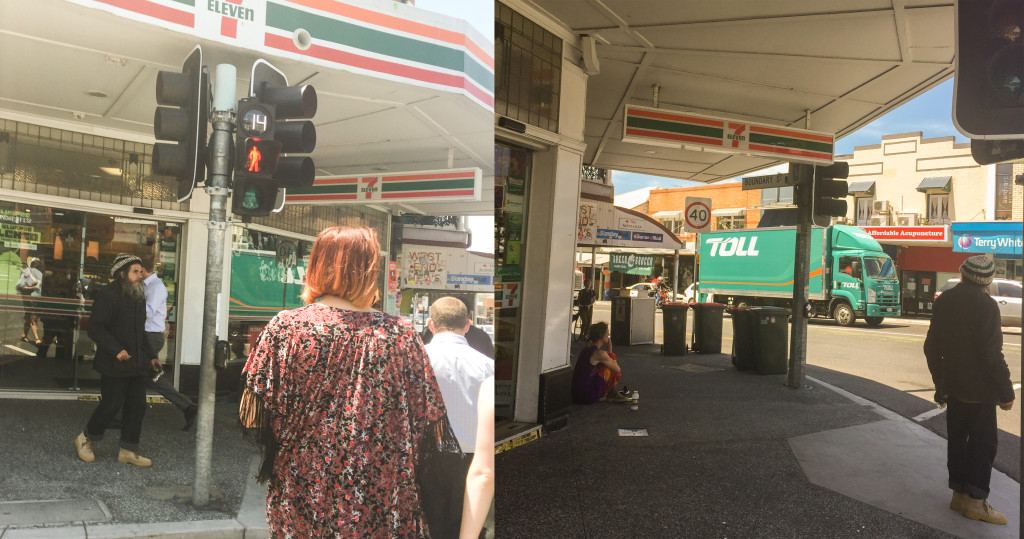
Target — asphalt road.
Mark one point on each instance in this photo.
(886, 365)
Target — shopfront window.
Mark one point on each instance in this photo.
(528, 83)
(43, 336)
(511, 185)
(267, 275)
(58, 162)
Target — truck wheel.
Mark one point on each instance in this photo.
(843, 314)
(874, 321)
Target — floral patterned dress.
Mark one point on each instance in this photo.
(349, 395)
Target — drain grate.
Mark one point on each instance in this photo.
(632, 432)
(36, 512)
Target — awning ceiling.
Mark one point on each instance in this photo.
(844, 63)
(866, 187)
(668, 215)
(935, 182)
(76, 66)
(725, 212)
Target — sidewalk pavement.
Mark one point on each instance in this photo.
(734, 454)
(46, 491)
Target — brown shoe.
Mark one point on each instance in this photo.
(981, 510)
(959, 501)
(131, 457)
(84, 446)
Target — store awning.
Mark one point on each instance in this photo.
(936, 182)
(866, 188)
(728, 212)
(668, 215)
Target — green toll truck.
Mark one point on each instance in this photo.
(850, 276)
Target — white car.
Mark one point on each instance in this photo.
(1007, 294)
(648, 290)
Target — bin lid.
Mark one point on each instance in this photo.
(771, 309)
(681, 304)
(703, 305)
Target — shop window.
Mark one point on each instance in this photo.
(939, 208)
(528, 73)
(865, 208)
(63, 163)
(730, 222)
(675, 225)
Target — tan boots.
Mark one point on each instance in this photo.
(131, 457)
(85, 452)
(84, 446)
(975, 509)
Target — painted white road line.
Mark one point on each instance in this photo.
(929, 414)
(22, 350)
(877, 332)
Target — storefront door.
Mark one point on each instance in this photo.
(67, 256)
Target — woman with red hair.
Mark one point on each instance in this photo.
(343, 395)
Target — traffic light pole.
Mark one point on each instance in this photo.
(219, 167)
(803, 179)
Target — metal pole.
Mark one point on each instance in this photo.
(675, 276)
(219, 167)
(803, 181)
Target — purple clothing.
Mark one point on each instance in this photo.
(587, 383)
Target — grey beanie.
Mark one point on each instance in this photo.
(978, 269)
(123, 260)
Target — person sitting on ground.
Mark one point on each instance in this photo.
(597, 371)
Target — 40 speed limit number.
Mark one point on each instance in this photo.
(697, 216)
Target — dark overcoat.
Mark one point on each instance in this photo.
(117, 323)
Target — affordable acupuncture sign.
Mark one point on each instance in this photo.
(665, 127)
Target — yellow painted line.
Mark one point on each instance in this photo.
(149, 400)
(518, 441)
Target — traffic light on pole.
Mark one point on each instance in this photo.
(988, 95)
(182, 121)
(274, 121)
(829, 198)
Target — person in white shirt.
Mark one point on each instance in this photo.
(460, 370)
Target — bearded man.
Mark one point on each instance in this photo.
(124, 357)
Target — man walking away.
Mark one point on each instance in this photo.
(965, 357)
(586, 299)
(156, 316)
(459, 370)
(124, 358)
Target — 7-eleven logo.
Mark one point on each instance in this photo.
(231, 11)
(369, 188)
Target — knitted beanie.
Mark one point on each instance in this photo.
(978, 269)
(123, 260)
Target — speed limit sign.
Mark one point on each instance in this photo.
(697, 217)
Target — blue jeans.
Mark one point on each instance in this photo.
(971, 428)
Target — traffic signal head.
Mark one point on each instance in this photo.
(988, 95)
(183, 121)
(829, 197)
(253, 196)
(293, 106)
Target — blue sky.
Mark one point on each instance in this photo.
(929, 113)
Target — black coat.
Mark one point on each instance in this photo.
(964, 347)
(117, 323)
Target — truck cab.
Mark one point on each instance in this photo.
(864, 280)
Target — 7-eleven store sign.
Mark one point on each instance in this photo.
(670, 128)
(458, 185)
